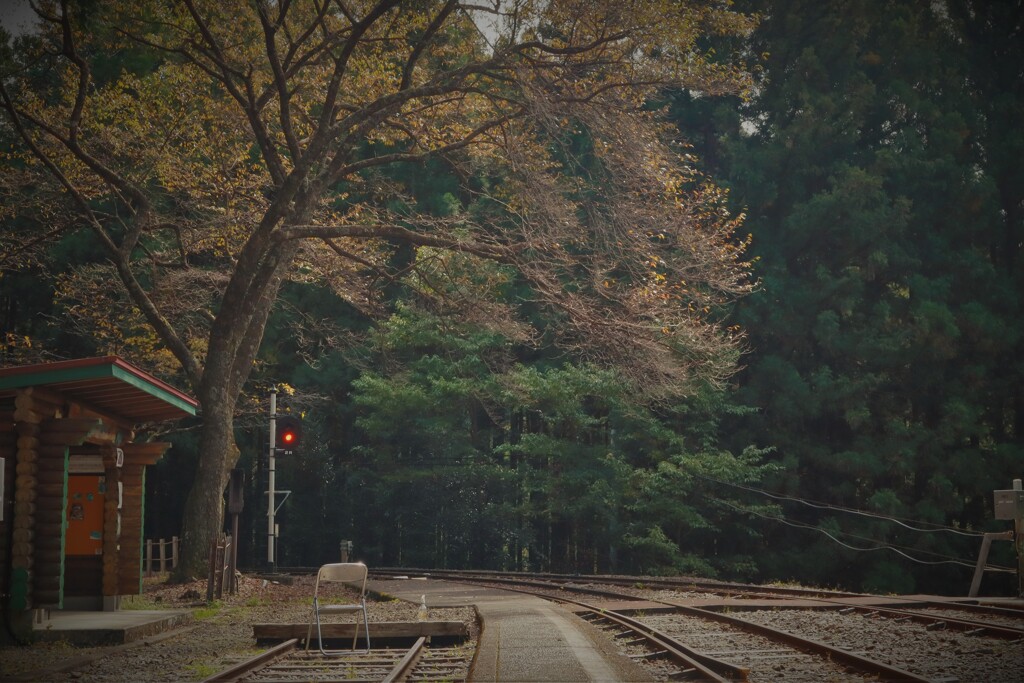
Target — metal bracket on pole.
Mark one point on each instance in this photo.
(286, 494)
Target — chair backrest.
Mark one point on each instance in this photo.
(344, 572)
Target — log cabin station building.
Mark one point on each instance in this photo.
(73, 484)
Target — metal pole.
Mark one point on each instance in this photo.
(270, 479)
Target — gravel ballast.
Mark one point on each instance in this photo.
(219, 636)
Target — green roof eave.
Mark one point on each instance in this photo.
(77, 377)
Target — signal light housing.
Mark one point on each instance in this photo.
(288, 433)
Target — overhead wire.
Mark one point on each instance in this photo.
(947, 559)
(902, 521)
(881, 545)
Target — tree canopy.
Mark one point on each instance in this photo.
(208, 151)
(483, 245)
(886, 337)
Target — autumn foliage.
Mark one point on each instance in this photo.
(213, 149)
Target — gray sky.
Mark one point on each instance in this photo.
(16, 15)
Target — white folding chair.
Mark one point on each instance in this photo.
(348, 572)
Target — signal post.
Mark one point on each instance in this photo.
(285, 434)
(271, 495)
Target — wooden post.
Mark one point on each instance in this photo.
(1018, 540)
(215, 577)
(221, 556)
(213, 570)
(163, 555)
(979, 569)
(174, 552)
(233, 566)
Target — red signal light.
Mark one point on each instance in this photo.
(289, 433)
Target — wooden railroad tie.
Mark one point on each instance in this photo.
(383, 629)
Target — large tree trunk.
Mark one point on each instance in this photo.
(204, 507)
(234, 343)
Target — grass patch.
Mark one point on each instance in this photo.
(140, 602)
(208, 612)
(201, 672)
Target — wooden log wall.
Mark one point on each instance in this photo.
(129, 556)
(50, 520)
(56, 437)
(34, 485)
(35, 438)
(8, 451)
(133, 476)
(22, 548)
(49, 489)
(111, 523)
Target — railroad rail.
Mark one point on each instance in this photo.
(741, 657)
(696, 664)
(830, 599)
(688, 583)
(286, 662)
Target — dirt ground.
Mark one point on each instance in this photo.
(219, 636)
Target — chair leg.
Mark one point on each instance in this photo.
(355, 634)
(320, 638)
(319, 631)
(366, 629)
(320, 641)
(319, 635)
(309, 629)
(366, 625)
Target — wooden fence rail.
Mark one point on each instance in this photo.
(164, 563)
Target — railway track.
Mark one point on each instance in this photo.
(833, 662)
(721, 588)
(646, 582)
(742, 649)
(286, 663)
(1011, 628)
(652, 620)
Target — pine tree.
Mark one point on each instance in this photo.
(875, 165)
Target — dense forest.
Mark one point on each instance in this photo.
(846, 261)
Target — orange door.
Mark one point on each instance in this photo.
(85, 514)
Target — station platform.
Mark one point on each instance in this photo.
(522, 638)
(88, 629)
